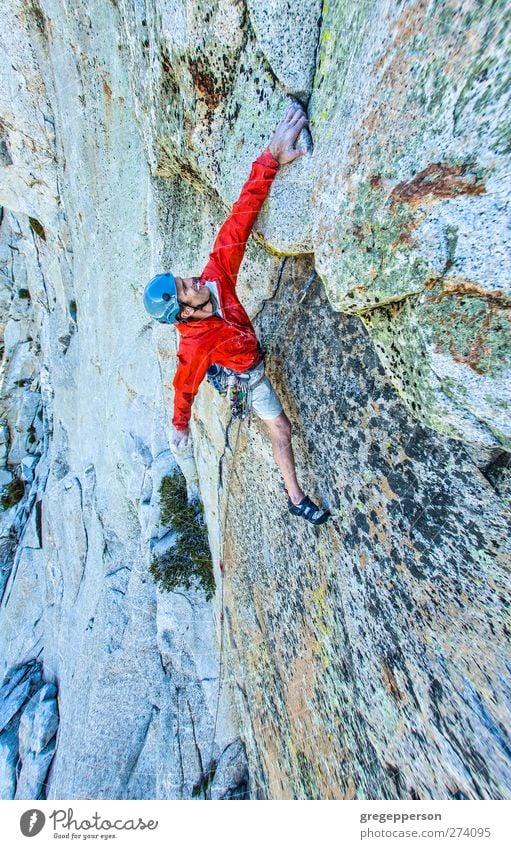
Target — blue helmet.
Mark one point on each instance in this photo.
(160, 298)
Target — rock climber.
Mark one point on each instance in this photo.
(214, 329)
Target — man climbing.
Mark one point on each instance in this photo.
(214, 328)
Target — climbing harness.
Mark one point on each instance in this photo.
(215, 376)
(239, 387)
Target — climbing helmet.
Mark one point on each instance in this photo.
(160, 298)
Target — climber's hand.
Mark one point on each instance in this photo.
(180, 439)
(282, 144)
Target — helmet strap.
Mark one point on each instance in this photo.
(195, 309)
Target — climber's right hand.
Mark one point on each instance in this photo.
(282, 144)
(180, 439)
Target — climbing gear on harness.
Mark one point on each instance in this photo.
(240, 395)
(160, 299)
(226, 381)
(310, 511)
(238, 386)
(215, 376)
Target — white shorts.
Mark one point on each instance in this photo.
(265, 401)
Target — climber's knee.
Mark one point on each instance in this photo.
(280, 428)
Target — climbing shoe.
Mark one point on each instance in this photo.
(310, 511)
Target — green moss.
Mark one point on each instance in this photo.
(37, 228)
(13, 494)
(188, 563)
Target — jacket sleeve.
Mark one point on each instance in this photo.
(231, 241)
(187, 379)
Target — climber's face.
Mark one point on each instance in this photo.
(193, 298)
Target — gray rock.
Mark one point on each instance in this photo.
(5, 477)
(499, 474)
(8, 763)
(34, 769)
(10, 705)
(30, 725)
(289, 41)
(14, 333)
(39, 721)
(17, 685)
(160, 546)
(4, 442)
(231, 775)
(345, 636)
(27, 467)
(405, 234)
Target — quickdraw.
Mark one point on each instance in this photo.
(237, 386)
(240, 396)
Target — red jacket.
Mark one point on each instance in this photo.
(229, 341)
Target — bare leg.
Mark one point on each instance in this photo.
(280, 432)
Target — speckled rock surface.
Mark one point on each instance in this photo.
(369, 658)
(289, 41)
(411, 200)
(214, 100)
(372, 653)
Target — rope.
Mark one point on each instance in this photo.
(278, 330)
(223, 524)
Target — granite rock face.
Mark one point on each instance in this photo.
(404, 200)
(368, 658)
(363, 647)
(410, 224)
(81, 394)
(28, 726)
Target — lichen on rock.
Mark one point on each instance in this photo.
(364, 659)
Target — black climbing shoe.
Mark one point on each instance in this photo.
(310, 511)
